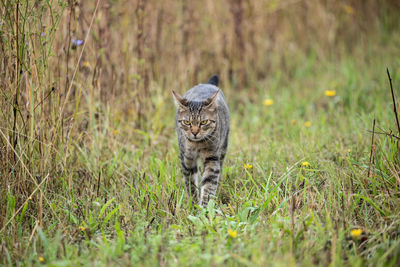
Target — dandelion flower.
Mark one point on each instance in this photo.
(232, 233)
(268, 102)
(305, 164)
(330, 92)
(294, 122)
(356, 233)
(307, 123)
(41, 259)
(247, 166)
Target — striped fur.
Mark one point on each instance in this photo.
(202, 125)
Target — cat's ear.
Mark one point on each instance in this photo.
(211, 102)
(180, 102)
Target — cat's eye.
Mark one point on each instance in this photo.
(186, 122)
(204, 122)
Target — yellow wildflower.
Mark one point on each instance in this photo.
(305, 164)
(294, 122)
(307, 123)
(349, 150)
(86, 64)
(349, 9)
(115, 132)
(268, 102)
(356, 233)
(232, 233)
(330, 92)
(247, 166)
(81, 228)
(41, 259)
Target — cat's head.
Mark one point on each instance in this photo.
(196, 119)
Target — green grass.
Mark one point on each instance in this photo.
(122, 200)
(106, 192)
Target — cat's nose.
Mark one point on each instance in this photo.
(195, 131)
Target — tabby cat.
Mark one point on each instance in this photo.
(202, 125)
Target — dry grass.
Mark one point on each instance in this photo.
(88, 153)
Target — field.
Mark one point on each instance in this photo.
(89, 162)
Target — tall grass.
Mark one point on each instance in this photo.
(89, 162)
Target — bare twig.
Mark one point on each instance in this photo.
(372, 154)
(44, 98)
(17, 79)
(394, 101)
(387, 134)
(98, 185)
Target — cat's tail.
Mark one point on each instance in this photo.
(213, 80)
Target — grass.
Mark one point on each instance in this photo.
(123, 201)
(93, 188)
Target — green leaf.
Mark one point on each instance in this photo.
(103, 209)
(382, 212)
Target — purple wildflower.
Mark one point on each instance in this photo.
(77, 42)
(43, 34)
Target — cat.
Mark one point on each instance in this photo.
(202, 125)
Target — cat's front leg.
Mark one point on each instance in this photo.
(210, 179)
(190, 174)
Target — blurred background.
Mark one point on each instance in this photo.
(137, 49)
